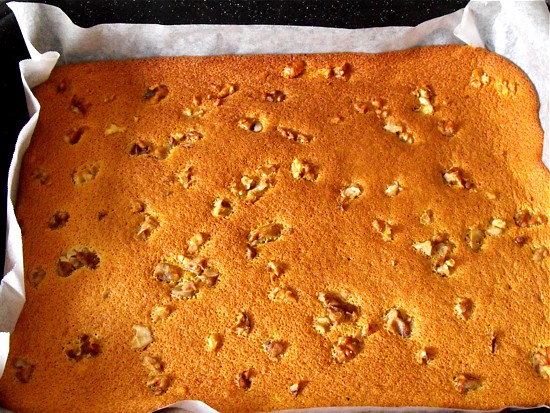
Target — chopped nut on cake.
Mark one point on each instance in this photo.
(214, 342)
(243, 325)
(540, 359)
(304, 170)
(76, 258)
(83, 346)
(264, 234)
(155, 93)
(160, 313)
(346, 349)
(399, 323)
(294, 69)
(463, 308)
(244, 379)
(275, 348)
(465, 383)
(142, 337)
(159, 384)
(23, 369)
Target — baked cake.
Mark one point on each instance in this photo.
(284, 231)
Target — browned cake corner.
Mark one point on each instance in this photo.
(269, 232)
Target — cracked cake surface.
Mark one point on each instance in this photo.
(284, 231)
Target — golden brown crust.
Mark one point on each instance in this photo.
(362, 261)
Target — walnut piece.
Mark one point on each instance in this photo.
(425, 96)
(250, 252)
(348, 194)
(74, 135)
(186, 177)
(214, 342)
(85, 173)
(295, 389)
(393, 190)
(243, 326)
(111, 129)
(195, 265)
(475, 238)
(195, 243)
(465, 383)
(294, 135)
(168, 273)
(304, 170)
(345, 349)
(276, 269)
(342, 72)
(275, 96)
(160, 313)
(83, 346)
(282, 294)
(76, 258)
(496, 228)
(525, 219)
(23, 370)
(392, 125)
(221, 208)
(186, 139)
(79, 106)
(539, 254)
(294, 69)
(521, 240)
(244, 379)
(360, 106)
(454, 178)
(275, 348)
(264, 234)
(155, 93)
(193, 112)
(43, 177)
(399, 323)
(479, 78)
(159, 384)
(337, 310)
(147, 227)
(142, 337)
(185, 290)
(384, 228)
(427, 217)
(140, 147)
(36, 276)
(322, 325)
(253, 186)
(447, 127)
(464, 308)
(209, 276)
(153, 364)
(225, 91)
(540, 360)
(438, 250)
(59, 219)
(251, 124)
(505, 87)
(422, 356)
(424, 247)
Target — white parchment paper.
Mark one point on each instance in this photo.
(518, 30)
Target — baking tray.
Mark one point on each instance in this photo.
(342, 14)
